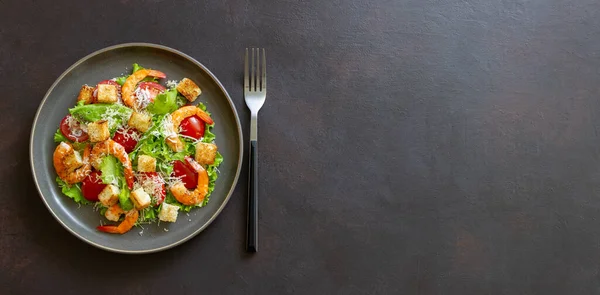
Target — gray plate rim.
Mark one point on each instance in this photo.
(199, 65)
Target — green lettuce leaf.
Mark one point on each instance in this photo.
(208, 135)
(95, 112)
(121, 80)
(124, 199)
(136, 68)
(149, 214)
(72, 191)
(164, 103)
(181, 100)
(58, 136)
(116, 114)
(112, 171)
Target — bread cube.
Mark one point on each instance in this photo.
(140, 198)
(86, 94)
(72, 160)
(168, 213)
(189, 89)
(113, 213)
(109, 195)
(146, 164)
(140, 121)
(174, 143)
(107, 93)
(206, 153)
(98, 131)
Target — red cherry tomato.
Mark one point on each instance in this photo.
(109, 82)
(153, 89)
(73, 130)
(92, 186)
(160, 197)
(189, 177)
(193, 127)
(126, 137)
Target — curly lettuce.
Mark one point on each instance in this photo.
(164, 103)
(112, 173)
(72, 191)
(59, 137)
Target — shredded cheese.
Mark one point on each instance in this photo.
(75, 127)
(172, 180)
(125, 132)
(172, 83)
(142, 97)
(115, 118)
(153, 185)
(195, 141)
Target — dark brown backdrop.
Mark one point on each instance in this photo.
(407, 147)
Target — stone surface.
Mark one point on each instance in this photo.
(406, 147)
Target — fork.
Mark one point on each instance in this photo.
(255, 92)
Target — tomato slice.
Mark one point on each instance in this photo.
(160, 197)
(71, 129)
(152, 89)
(127, 138)
(92, 186)
(188, 175)
(109, 82)
(193, 127)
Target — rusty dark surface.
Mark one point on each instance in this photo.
(406, 147)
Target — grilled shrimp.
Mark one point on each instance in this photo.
(69, 165)
(131, 82)
(178, 116)
(187, 197)
(130, 219)
(110, 147)
(187, 111)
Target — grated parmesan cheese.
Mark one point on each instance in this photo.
(172, 83)
(195, 141)
(152, 185)
(114, 118)
(76, 128)
(142, 97)
(125, 132)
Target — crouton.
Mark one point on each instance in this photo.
(140, 198)
(140, 121)
(146, 164)
(98, 131)
(113, 213)
(189, 89)
(174, 143)
(168, 213)
(86, 94)
(107, 93)
(206, 153)
(73, 160)
(109, 195)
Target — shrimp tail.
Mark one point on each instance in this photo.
(127, 224)
(131, 82)
(111, 229)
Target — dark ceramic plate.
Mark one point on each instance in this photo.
(112, 62)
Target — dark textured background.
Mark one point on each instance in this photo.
(408, 147)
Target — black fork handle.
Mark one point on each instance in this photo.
(252, 234)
